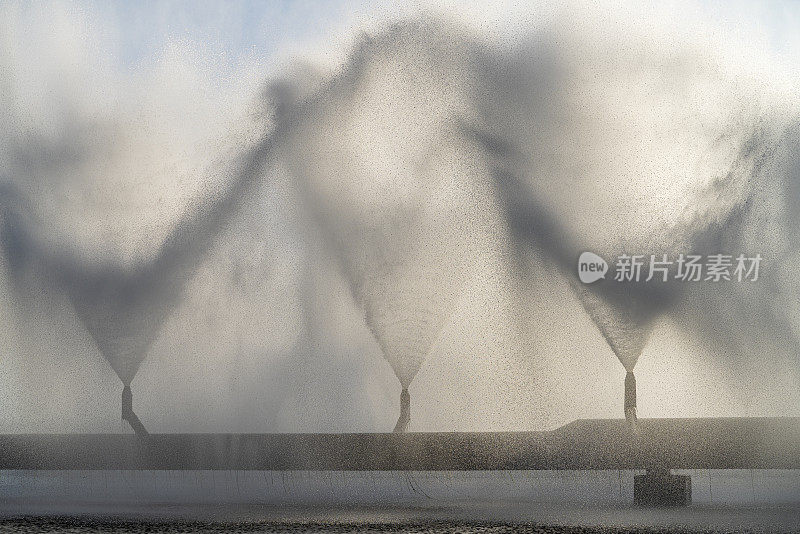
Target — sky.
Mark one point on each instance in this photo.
(233, 30)
(242, 27)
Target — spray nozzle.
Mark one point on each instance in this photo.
(128, 413)
(405, 412)
(630, 399)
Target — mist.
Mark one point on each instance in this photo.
(282, 246)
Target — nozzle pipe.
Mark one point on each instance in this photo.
(630, 398)
(405, 412)
(128, 414)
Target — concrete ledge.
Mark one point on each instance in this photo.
(743, 443)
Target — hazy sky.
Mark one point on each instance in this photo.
(239, 28)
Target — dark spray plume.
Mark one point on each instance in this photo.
(124, 308)
(382, 162)
(633, 169)
(625, 311)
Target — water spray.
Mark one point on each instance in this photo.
(122, 308)
(398, 207)
(402, 313)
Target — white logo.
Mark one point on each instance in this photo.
(591, 267)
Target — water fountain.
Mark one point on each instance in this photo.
(390, 154)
